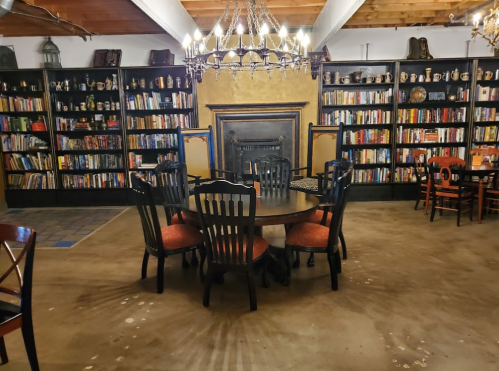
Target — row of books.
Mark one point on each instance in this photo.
(367, 136)
(39, 161)
(346, 97)
(21, 104)
(101, 180)
(8, 123)
(135, 160)
(154, 101)
(431, 115)
(152, 141)
(368, 156)
(31, 181)
(405, 175)
(83, 162)
(440, 135)
(406, 155)
(486, 134)
(148, 176)
(88, 142)
(350, 117)
(22, 142)
(160, 121)
(486, 114)
(486, 93)
(380, 175)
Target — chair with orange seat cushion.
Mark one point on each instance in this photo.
(492, 188)
(172, 180)
(447, 187)
(227, 214)
(161, 242)
(12, 315)
(317, 238)
(422, 178)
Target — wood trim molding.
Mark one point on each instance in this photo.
(256, 105)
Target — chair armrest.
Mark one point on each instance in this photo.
(299, 168)
(196, 178)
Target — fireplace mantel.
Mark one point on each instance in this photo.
(256, 105)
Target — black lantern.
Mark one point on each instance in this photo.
(51, 54)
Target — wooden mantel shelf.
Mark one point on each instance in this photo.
(256, 105)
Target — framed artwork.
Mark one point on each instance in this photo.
(8, 59)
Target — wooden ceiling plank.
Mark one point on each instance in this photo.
(221, 4)
(292, 11)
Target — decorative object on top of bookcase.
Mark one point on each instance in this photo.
(419, 49)
(51, 54)
(8, 59)
(161, 58)
(291, 53)
(107, 58)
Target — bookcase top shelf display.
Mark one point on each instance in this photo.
(359, 85)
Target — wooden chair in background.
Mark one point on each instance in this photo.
(273, 172)
(161, 242)
(448, 190)
(422, 178)
(172, 181)
(13, 316)
(317, 238)
(227, 214)
(492, 187)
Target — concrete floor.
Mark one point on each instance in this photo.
(413, 294)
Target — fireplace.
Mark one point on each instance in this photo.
(244, 132)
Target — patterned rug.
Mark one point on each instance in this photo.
(61, 227)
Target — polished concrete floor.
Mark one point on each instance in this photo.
(413, 294)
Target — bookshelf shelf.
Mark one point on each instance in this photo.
(23, 113)
(147, 90)
(161, 110)
(90, 132)
(29, 151)
(85, 92)
(369, 166)
(486, 103)
(440, 104)
(482, 142)
(152, 131)
(83, 171)
(171, 149)
(367, 126)
(26, 171)
(428, 145)
(376, 145)
(26, 132)
(404, 85)
(434, 126)
(486, 123)
(353, 106)
(90, 151)
(87, 112)
(21, 92)
(358, 85)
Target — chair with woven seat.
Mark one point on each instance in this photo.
(317, 238)
(227, 214)
(272, 172)
(172, 180)
(197, 151)
(14, 316)
(422, 179)
(332, 171)
(324, 144)
(447, 186)
(161, 242)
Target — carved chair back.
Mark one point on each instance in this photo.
(445, 172)
(227, 214)
(172, 180)
(420, 164)
(272, 171)
(341, 191)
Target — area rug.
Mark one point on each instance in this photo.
(61, 227)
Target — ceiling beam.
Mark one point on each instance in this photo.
(332, 18)
(170, 15)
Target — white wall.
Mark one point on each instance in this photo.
(391, 43)
(77, 53)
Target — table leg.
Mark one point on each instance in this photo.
(428, 190)
(480, 200)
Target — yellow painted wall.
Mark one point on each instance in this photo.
(260, 89)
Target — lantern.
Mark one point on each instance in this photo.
(51, 54)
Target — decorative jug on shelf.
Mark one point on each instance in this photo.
(357, 76)
(90, 102)
(379, 79)
(488, 75)
(109, 83)
(388, 77)
(455, 75)
(337, 77)
(403, 76)
(345, 79)
(327, 78)
(479, 73)
(369, 79)
(134, 83)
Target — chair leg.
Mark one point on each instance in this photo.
(202, 253)
(418, 198)
(144, 264)
(458, 210)
(296, 263)
(252, 290)
(29, 342)
(207, 287)
(337, 260)
(3, 351)
(433, 208)
(194, 259)
(161, 275)
(471, 208)
(265, 280)
(185, 263)
(334, 273)
(343, 244)
(311, 260)
(288, 251)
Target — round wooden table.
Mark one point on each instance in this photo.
(275, 208)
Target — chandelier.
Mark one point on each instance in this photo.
(261, 53)
(490, 30)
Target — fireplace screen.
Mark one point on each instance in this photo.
(244, 150)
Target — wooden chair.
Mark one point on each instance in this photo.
(317, 238)
(492, 188)
(18, 316)
(447, 190)
(197, 151)
(161, 242)
(333, 170)
(324, 144)
(172, 180)
(272, 172)
(422, 178)
(227, 215)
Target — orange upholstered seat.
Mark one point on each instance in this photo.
(178, 236)
(317, 218)
(260, 245)
(187, 220)
(308, 235)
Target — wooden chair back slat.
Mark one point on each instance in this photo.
(146, 207)
(172, 180)
(333, 170)
(272, 171)
(420, 165)
(445, 171)
(341, 190)
(226, 218)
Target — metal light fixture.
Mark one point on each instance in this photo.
(260, 54)
(5, 6)
(51, 54)
(490, 30)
